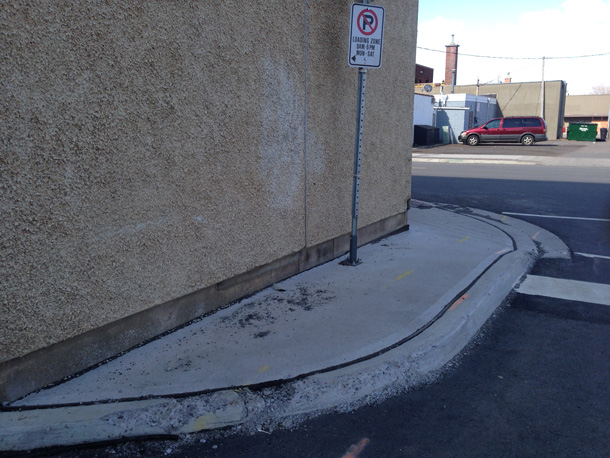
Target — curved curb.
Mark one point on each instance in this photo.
(404, 366)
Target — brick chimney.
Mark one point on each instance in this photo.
(451, 58)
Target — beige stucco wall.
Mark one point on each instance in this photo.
(331, 122)
(151, 149)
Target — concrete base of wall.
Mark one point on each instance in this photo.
(21, 376)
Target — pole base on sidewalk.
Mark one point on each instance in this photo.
(348, 262)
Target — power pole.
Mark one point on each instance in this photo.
(542, 91)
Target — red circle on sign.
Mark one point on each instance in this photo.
(365, 21)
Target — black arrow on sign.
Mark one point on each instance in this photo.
(354, 58)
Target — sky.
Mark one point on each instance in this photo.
(518, 29)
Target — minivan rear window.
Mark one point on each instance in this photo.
(531, 122)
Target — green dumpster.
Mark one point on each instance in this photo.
(582, 132)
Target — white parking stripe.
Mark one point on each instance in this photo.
(588, 255)
(557, 217)
(571, 290)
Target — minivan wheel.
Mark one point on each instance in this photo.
(528, 140)
(473, 140)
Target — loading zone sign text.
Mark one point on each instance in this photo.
(366, 35)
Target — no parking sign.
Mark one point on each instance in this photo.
(366, 35)
(365, 44)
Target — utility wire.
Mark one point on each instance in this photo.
(519, 58)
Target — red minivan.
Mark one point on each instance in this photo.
(521, 129)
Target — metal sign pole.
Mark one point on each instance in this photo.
(366, 39)
(353, 241)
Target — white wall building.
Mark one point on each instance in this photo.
(457, 112)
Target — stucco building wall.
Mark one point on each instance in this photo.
(152, 151)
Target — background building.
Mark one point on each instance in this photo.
(540, 98)
(423, 74)
(521, 99)
(423, 110)
(450, 114)
(162, 159)
(458, 112)
(591, 109)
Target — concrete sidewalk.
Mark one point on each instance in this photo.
(330, 336)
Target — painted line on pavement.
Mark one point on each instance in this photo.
(387, 285)
(560, 288)
(356, 450)
(458, 302)
(557, 217)
(464, 239)
(588, 255)
(400, 277)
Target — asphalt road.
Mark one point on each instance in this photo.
(535, 380)
(573, 211)
(572, 201)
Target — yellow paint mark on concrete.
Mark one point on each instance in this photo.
(263, 369)
(535, 235)
(464, 239)
(207, 421)
(230, 415)
(400, 277)
(233, 411)
(503, 218)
